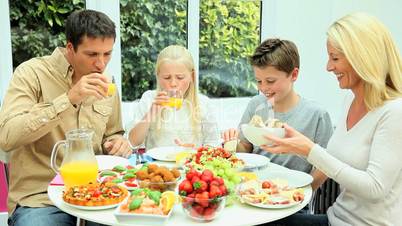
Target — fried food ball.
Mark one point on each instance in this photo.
(176, 172)
(152, 168)
(168, 176)
(142, 174)
(157, 179)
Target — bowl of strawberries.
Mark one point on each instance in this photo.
(203, 195)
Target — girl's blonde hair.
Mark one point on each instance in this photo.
(179, 54)
(368, 46)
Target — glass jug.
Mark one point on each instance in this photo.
(79, 165)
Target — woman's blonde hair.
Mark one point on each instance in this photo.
(368, 46)
(179, 54)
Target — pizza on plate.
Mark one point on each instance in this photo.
(99, 194)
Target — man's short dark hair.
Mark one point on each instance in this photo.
(90, 23)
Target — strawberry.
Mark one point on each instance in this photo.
(209, 213)
(223, 189)
(207, 175)
(195, 179)
(197, 211)
(214, 191)
(200, 186)
(202, 199)
(185, 186)
(219, 180)
(191, 173)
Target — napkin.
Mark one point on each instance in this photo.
(57, 181)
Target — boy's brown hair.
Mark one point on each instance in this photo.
(281, 54)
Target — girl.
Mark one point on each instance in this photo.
(158, 123)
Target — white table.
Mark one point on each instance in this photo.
(235, 215)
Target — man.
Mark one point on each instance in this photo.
(49, 96)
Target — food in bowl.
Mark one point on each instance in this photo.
(256, 130)
(146, 206)
(159, 178)
(98, 194)
(203, 195)
(257, 121)
(203, 209)
(206, 154)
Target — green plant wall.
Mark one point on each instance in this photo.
(228, 35)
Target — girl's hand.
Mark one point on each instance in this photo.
(181, 144)
(230, 134)
(157, 106)
(293, 143)
(161, 98)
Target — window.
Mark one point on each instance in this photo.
(146, 28)
(229, 33)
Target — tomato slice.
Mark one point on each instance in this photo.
(130, 184)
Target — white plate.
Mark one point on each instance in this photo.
(295, 179)
(167, 154)
(91, 207)
(276, 206)
(256, 134)
(253, 161)
(110, 161)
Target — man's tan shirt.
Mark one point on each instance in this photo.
(37, 113)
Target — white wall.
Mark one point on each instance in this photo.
(6, 63)
(305, 22)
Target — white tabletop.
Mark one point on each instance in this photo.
(237, 214)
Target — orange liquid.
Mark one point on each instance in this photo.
(79, 173)
(111, 89)
(174, 102)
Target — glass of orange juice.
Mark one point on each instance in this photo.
(79, 173)
(111, 89)
(175, 99)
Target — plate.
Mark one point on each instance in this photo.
(110, 161)
(167, 154)
(256, 134)
(276, 206)
(295, 179)
(91, 207)
(253, 161)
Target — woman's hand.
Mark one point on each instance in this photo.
(293, 143)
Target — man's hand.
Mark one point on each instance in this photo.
(118, 146)
(94, 84)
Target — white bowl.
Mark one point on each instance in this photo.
(256, 134)
(145, 219)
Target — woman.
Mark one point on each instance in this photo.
(157, 123)
(364, 154)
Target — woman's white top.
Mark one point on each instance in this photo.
(176, 124)
(366, 161)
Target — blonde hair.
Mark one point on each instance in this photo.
(179, 54)
(368, 46)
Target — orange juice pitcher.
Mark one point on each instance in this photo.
(79, 165)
